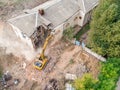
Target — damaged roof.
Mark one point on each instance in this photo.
(56, 12)
(26, 23)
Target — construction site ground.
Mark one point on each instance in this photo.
(17, 58)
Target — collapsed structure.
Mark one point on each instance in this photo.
(52, 16)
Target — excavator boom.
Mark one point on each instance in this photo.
(41, 61)
(42, 56)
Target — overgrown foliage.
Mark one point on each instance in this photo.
(104, 36)
(68, 33)
(87, 82)
(107, 79)
(82, 31)
(109, 75)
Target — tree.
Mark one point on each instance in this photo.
(87, 82)
(109, 75)
(104, 36)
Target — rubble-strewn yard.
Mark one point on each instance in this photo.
(17, 58)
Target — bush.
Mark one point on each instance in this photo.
(107, 79)
(104, 35)
(87, 82)
(109, 75)
(68, 33)
(85, 29)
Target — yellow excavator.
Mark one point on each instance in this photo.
(42, 60)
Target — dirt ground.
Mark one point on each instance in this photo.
(65, 58)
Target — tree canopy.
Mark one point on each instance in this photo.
(107, 79)
(87, 82)
(109, 75)
(104, 36)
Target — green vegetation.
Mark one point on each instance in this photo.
(104, 36)
(82, 31)
(107, 79)
(109, 75)
(72, 61)
(68, 33)
(87, 82)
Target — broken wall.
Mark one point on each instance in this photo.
(39, 36)
(22, 36)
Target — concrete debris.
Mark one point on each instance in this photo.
(7, 81)
(69, 87)
(24, 65)
(69, 76)
(52, 85)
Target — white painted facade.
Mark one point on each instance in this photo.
(80, 17)
(22, 36)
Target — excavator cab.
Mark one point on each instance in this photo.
(39, 63)
(42, 60)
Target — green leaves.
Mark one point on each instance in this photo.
(68, 33)
(109, 75)
(104, 36)
(87, 82)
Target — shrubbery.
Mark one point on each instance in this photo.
(68, 33)
(104, 35)
(87, 82)
(107, 79)
(109, 75)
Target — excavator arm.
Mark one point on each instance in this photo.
(42, 56)
(41, 61)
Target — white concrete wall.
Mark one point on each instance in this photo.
(58, 33)
(24, 38)
(87, 18)
(81, 20)
(72, 21)
(81, 5)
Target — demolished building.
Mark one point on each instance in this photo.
(52, 16)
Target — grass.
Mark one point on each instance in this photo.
(82, 31)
